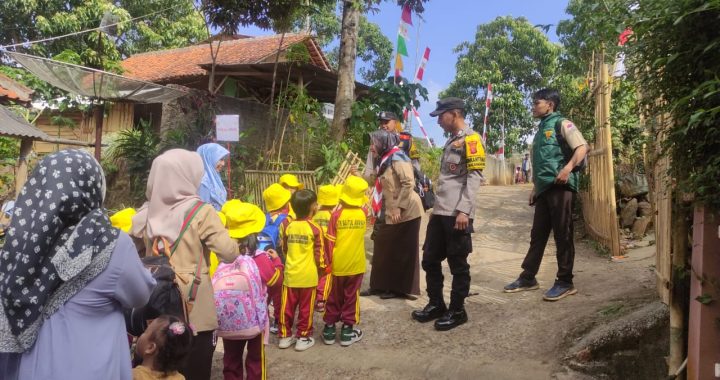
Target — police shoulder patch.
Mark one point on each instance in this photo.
(474, 152)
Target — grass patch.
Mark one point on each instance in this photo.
(612, 310)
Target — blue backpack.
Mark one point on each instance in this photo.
(269, 236)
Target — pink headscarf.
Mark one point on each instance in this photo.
(172, 189)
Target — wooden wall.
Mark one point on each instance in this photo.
(118, 117)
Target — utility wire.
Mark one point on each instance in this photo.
(5, 47)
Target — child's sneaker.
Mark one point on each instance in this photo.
(350, 335)
(304, 343)
(286, 342)
(274, 327)
(329, 333)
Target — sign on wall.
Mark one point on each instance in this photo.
(227, 127)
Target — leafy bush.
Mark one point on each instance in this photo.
(135, 149)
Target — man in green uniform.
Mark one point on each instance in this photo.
(553, 160)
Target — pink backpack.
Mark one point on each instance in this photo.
(240, 299)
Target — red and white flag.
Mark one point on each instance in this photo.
(423, 63)
(488, 101)
(422, 129)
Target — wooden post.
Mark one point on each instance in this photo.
(21, 173)
(99, 111)
(704, 323)
(677, 312)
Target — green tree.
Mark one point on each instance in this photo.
(517, 59)
(374, 48)
(674, 60)
(352, 10)
(169, 24)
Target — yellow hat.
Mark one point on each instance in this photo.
(223, 219)
(123, 219)
(353, 192)
(243, 218)
(328, 195)
(289, 180)
(276, 196)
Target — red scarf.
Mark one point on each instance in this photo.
(377, 190)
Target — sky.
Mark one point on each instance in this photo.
(445, 24)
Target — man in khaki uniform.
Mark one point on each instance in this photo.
(448, 231)
(557, 150)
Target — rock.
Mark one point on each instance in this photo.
(632, 185)
(640, 226)
(628, 213)
(644, 208)
(633, 346)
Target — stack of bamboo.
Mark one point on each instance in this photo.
(351, 159)
(599, 200)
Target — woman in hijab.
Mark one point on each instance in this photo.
(65, 275)
(172, 193)
(212, 190)
(395, 262)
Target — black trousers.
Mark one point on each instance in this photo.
(553, 211)
(198, 364)
(443, 241)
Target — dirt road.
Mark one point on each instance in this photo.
(508, 336)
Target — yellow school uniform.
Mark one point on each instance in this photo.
(346, 237)
(304, 254)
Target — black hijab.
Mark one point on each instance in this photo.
(58, 241)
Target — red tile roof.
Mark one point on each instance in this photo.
(11, 90)
(166, 65)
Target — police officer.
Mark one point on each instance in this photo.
(448, 231)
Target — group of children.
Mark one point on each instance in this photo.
(306, 254)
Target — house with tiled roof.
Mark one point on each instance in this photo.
(243, 67)
(12, 92)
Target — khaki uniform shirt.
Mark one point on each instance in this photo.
(461, 166)
(398, 184)
(204, 234)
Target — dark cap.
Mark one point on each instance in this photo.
(447, 104)
(387, 115)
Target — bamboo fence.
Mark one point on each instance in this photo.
(258, 180)
(599, 201)
(662, 201)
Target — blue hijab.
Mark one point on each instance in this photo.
(211, 189)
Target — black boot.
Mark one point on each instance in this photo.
(451, 319)
(429, 312)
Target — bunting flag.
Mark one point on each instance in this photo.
(422, 129)
(401, 46)
(488, 100)
(406, 17)
(405, 21)
(423, 63)
(398, 65)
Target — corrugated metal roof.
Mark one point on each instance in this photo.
(11, 124)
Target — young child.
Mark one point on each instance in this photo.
(244, 221)
(122, 219)
(327, 200)
(162, 348)
(277, 203)
(303, 244)
(290, 182)
(346, 246)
